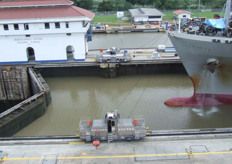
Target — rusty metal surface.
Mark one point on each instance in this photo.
(208, 64)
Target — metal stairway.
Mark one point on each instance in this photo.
(110, 137)
(137, 134)
(88, 136)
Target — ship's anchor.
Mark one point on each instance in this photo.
(212, 64)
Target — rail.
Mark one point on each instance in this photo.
(153, 133)
(132, 62)
(188, 132)
(81, 64)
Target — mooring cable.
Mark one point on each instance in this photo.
(139, 98)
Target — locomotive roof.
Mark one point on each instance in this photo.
(124, 122)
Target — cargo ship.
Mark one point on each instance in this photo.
(208, 62)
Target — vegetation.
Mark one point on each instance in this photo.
(110, 20)
(106, 6)
(169, 16)
(86, 4)
(122, 5)
(105, 18)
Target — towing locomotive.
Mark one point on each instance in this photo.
(113, 55)
(112, 128)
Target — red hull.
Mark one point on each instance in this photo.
(200, 100)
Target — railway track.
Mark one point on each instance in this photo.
(150, 133)
(85, 64)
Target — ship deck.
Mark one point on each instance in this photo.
(201, 148)
(214, 38)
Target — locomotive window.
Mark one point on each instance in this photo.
(113, 123)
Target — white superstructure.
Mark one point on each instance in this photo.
(43, 31)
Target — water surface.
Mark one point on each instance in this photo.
(90, 96)
(130, 40)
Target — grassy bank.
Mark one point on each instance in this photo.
(111, 20)
(168, 16)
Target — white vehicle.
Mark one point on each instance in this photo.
(113, 56)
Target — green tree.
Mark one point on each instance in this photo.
(141, 2)
(86, 4)
(122, 5)
(218, 4)
(106, 6)
(160, 4)
(127, 6)
(133, 2)
(206, 2)
(176, 4)
(119, 4)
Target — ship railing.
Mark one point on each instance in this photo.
(40, 93)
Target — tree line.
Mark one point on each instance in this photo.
(122, 5)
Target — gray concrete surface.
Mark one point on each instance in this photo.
(169, 149)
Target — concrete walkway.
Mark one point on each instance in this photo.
(170, 149)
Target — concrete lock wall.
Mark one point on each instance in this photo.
(21, 118)
(21, 115)
(14, 83)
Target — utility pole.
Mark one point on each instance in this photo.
(199, 10)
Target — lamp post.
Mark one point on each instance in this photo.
(199, 5)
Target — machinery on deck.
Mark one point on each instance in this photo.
(112, 128)
(229, 29)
